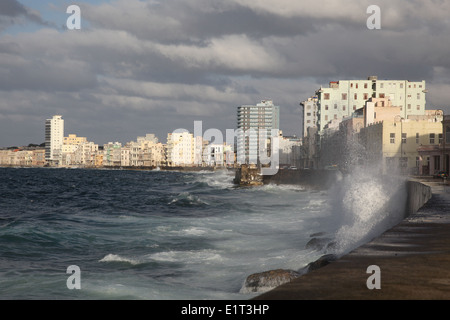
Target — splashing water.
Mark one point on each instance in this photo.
(367, 205)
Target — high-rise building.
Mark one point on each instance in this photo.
(310, 114)
(54, 139)
(255, 125)
(343, 97)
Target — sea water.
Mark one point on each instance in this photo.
(173, 235)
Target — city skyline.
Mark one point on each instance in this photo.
(139, 67)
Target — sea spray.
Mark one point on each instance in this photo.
(366, 204)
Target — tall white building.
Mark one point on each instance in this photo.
(54, 138)
(255, 124)
(343, 97)
(180, 149)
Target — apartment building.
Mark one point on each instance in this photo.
(344, 97)
(254, 130)
(54, 139)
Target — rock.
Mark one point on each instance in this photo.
(321, 262)
(319, 242)
(267, 280)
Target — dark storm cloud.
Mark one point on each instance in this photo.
(12, 11)
(154, 66)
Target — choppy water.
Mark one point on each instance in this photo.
(170, 235)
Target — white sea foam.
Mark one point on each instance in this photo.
(188, 257)
(366, 204)
(116, 258)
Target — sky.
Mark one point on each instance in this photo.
(138, 67)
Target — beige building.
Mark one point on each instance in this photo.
(434, 158)
(78, 151)
(394, 144)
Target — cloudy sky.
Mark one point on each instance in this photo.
(139, 67)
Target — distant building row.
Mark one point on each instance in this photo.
(375, 123)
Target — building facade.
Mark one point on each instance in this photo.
(180, 149)
(343, 97)
(255, 124)
(54, 139)
(310, 114)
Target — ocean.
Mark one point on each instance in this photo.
(161, 235)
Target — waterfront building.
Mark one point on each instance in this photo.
(254, 130)
(146, 151)
(289, 150)
(180, 149)
(344, 97)
(394, 145)
(54, 134)
(38, 158)
(78, 151)
(112, 154)
(310, 114)
(434, 158)
(214, 155)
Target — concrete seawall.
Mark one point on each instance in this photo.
(418, 194)
(413, 257)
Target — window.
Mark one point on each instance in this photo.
(432, 136)
(417, 162)
(365, 85)
(308, 121)
(440, 138)
(418, 107)
(366, 96)
(392, 136)
(343, 108)
(418, 96)
(344, 96)
(409, 106)
(308, 114)
(354, 108)
(381, 85)
(326, 118)
(403, 137)
(381, 95)
(335, 116)
(326, 107)
(356, 96)
(417, 138)
(335, 106)
(326, 96)
(401, 85)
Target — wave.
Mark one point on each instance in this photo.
(365, 205)
(220, 179)
(206, 256)
(116, 258)
(187, 199)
